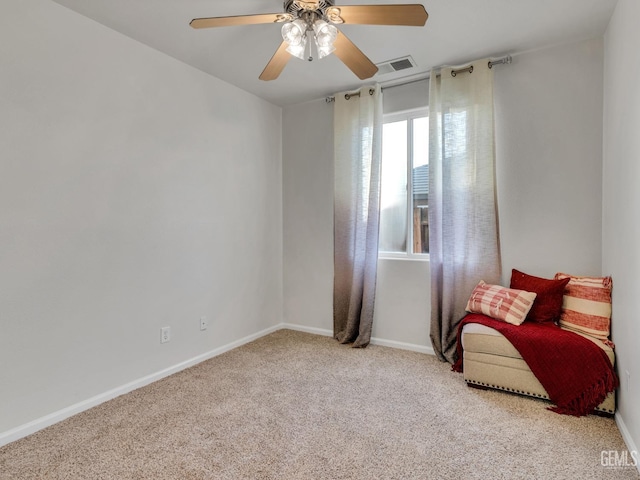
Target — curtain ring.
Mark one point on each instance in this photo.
(456, 72)
(347, 96)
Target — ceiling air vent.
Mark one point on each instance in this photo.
(396, 65)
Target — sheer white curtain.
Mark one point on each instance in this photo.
(463, 225)
(357, 139)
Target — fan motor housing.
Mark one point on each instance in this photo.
(296, 7)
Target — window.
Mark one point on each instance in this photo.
(404, 220)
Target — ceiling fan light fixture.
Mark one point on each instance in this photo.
(324, 51)
(333, 15)
(299, 49)
(294, 33)
(325, 33)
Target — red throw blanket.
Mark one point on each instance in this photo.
(575, 372)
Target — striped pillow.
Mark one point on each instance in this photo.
(506, 304)
(586, 305)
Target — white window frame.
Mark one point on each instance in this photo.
(409, 116)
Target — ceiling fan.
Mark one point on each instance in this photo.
(316, 21)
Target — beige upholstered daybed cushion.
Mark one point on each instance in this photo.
(490, 360)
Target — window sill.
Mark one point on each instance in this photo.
(403, 257)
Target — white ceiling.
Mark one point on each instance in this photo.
(457, 31)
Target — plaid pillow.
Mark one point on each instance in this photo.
(586, 305)
(506, 304)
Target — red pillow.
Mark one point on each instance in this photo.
(547, 306)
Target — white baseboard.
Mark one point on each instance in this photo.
(55, 417)
(301, 328)
(626, 436)
(374, 340)
(402, 345)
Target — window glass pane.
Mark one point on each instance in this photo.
(420, 165)
(393, 195)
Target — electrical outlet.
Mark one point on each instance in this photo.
(165, 334)
(203, 323)
(628, 380)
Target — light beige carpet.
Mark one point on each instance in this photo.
(299, 406)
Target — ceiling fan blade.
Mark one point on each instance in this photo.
(240, 20)
(276, 64)
(412, 15)
(353, 58)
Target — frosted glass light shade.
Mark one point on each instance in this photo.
(325, 34)
(324, 51)
(294, 33)
(298, 50)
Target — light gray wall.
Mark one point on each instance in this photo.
(549, 160)
(403, 305)
(549, 144)
(307, 163)
(135, 192)
(406, 97)
(621, 201)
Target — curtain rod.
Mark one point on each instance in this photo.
(347, 96)
(490, 64)
(501, 61)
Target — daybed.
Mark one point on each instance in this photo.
(563, 344)
(491, 361)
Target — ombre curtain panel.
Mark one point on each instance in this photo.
(357, 161)
(463, 221)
